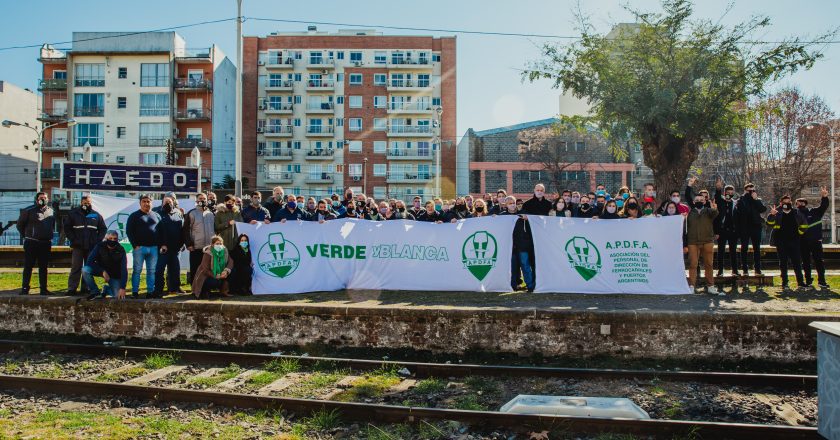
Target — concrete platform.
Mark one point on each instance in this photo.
(754, 325)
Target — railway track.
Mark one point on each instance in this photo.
(361, 391)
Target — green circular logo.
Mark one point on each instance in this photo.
(583, 257)
(479, 254)
(278, 257)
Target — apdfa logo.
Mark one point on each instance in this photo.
(583, 257)
(479, 254)
(278, 257)
(118, 224)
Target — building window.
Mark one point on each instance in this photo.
(154, 104)
(380, 101)
(355, 146)
(436, 101)
(379, 146)
(355, 101)
(378, 192)
(152, 158)
(580, 146)
(379, 169)
(355, 124)
(120, 132)
(339, 55)
(122, 73)
(356, 57)
(423, 80)
(339, 99)
(154, 75)
(380, 57)
(153, 135)
(121, 102)
(120, 159)
(339, 122)
(435, 57)
(379, 79)
(89, 104)
(354, 169)
(89, 134)
(356, 79)
(90, 75)
(59, 74)
(380, 124)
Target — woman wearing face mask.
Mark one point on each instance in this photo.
(671, 208)
(585, 209)
(647, 210)
(562, 209)
(479, 208)
(322, 212)
(458, 212)
(336, 207)
(240, 276)
(631, 209)
(227, 214)
(610, 211)
(214, 270)
(400, 213)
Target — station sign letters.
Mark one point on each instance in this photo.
(86, 176)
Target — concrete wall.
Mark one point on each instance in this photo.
(524, 332)
(18, 164)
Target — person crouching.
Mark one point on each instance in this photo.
(108, 260)
(214, 269)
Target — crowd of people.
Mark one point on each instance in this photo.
(220, 260)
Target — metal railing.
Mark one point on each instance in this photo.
(277, 106)
(280, 61)
(52, 84)
(201, 53)
(320, 84)
(321, 106)
(89, 82)
(320, 61)
(321, 152)
(418, 177)
(404, 152)
(409, 129)
(278, 176)
(193, 113)
(50, 173)
(153, 142)
(276, 83)
(187, 143)
(320, 129)
(193, 83)
(318, 178)
(154, 111)
(89, 111)
(408, 83)
(276, 152)
(421, 106)
(278, 129)
(54, 145)
(410, 61)
(50, 113)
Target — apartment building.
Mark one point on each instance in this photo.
(133, 99)
(18, 156)
(353, 109)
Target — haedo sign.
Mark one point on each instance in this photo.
(77, 176)
(609, 256)
(296, 257)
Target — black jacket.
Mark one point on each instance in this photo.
(725, 221)
(169, 231)
(535, 206)
(608, 216)
(285, 214)
(787, 227)
(140, 228)
(433, 217)
(36, 223)
(273, 206)
(401, 216)
(113, 261)
(84, 230)
(748, 214)
(589, 213)
(454, 214)
(258, 213)
(522, 239)
(813, 217)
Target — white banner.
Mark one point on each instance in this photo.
(609, 256)
(297, 257)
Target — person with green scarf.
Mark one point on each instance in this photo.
(214, 269)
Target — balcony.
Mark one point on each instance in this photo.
(89, 82)
(409, 154)
(318, 178)
(276, 107)
(52, 84)
(410, 130)
(410, 63)
(278, 177)
(53, 114)
(54, 145)
(153, 142)
(52, 57)
(320, 85)
(405, 85)
(408, 177)
(206, 174)
(50, 173)
(277, 130)
(410, 108)
(284, 154)
(324, 107)
(194, 56)
(320, 154)
(279, 85)
(193, 114)
(280, 63)
(320, 63)
(192, 84)
(320, 130)
(189, 144)
(89, 111)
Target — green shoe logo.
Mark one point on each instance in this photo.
(479, 254)
(278, 257)
(583, 257)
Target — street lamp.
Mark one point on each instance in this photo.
(439, 112)
(811, 126)
(40, 132)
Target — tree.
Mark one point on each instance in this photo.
(783, 157)
(670, 82)
(229, 182)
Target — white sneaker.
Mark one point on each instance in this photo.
(692, 288)
(714, 291)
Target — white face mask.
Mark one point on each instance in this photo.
(611, 209)
(539, 194)
(675, 199)
(218, 247)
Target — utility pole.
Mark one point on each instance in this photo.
(238, 147)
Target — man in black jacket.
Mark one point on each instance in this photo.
(811, 241)
(748, 226)
(724, 225)
(84, 228)
(537, 205)
(788, 227)
(276, 202)
(108, 260)
(522, 259)
(36, 225)
(170, 239)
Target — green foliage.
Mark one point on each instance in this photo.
(324, 420)
(429, 386)
(156, 361)
(282, 366)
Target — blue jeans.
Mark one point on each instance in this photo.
(149, 255)
(169, 261)
(110, 288)
(521, 260)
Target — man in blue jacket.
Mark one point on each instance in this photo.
(108, 260)
(290, 211)
(810, 245)
(255, 212)
(140, 229)
(170, 239)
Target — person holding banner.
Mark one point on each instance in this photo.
(108, 260)
(227, 214)
(276, 202)
(700, 240)
(243, 267)
(140, 229)
(198, 228)
(322, 212)
(36, 225)
(430, 214)
(214, 269)
(400, 213)
(584, 208)
(170, 239)
(256, 212)
(290, 212)
(610, 211)
(84, 228)
(521, 261)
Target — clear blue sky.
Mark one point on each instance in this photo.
(490, 92)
